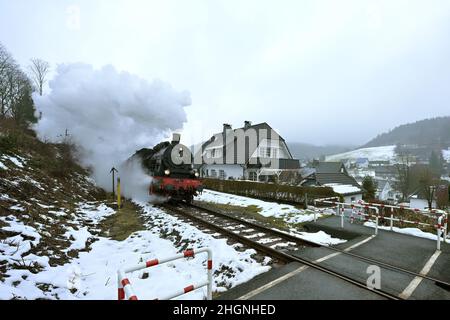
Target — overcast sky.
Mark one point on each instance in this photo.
(322, 72)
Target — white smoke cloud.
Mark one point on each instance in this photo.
(109, 115)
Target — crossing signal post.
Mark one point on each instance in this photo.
(113, 170)
(119, 200)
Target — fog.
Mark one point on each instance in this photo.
(321, 72)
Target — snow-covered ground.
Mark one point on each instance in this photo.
(446, 155)
(375, 153)
(288, 213)
(93, 274)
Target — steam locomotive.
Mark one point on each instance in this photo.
(170, 165)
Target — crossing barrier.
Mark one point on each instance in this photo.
(357, 208)
(126, 291)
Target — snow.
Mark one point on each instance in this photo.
(320, 237)
(2, 166)
(79, 238)
(17, 161)
(374, 153)
(446, 155)
(288, 213)
(409, 231)
(93, 274)
(343, 188)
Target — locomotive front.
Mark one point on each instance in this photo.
(173, 173)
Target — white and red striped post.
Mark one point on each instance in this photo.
(125, 289)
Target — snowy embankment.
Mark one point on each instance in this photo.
(93, 274)
(287, 213)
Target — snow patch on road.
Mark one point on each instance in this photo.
(409, 231)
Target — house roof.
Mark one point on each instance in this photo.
(341, 178)
(219, 139)
(329, 167)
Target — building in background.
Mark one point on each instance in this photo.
(334, 175)
(266, 159)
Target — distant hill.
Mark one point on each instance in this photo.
(433, 133)
(305, 151)
(373, 153)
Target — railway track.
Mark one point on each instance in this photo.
(265, 240)
(292, 238)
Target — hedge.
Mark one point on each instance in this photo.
(268, 191)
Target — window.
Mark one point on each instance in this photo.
(213, 173)
(352, 199)
(213, 153)
(252, 176)
(222, 174)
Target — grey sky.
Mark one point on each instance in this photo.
(337, 72)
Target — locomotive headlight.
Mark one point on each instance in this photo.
(196, 174)
(167, 172)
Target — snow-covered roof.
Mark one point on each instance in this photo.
(343, 188)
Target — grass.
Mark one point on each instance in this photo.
(123, 223)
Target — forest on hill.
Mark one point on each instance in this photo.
(433, 133)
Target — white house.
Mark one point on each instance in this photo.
(386, 191)
(253, 152)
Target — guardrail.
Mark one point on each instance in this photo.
(440, 226)
(125, 290)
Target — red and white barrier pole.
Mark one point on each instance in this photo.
(125, 289)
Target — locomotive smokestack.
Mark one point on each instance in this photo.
(176, 138)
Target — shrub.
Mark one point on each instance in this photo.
(269, 191)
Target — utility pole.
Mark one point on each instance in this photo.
(113, 170)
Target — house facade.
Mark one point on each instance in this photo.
(253, 152)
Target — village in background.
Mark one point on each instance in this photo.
(408, 166)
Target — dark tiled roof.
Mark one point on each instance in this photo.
(329, 167)
(341, 178)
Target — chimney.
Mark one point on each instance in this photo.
(176, 138)
(247, 124)
(226, 127)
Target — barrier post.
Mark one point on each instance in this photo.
(125, 290)
(439, 232)
(392, 219)
(376, 225)
(118, 194)
(342, 215)
(445, 228)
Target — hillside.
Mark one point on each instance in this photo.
(433, 133)
(374, 153)
(61, 237)
(305, 151)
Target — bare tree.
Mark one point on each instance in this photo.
(15, 91)
(39, 70)
(428, 184)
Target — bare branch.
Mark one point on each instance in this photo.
(39, 70)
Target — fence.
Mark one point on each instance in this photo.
(440, 226)
(125, 290)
